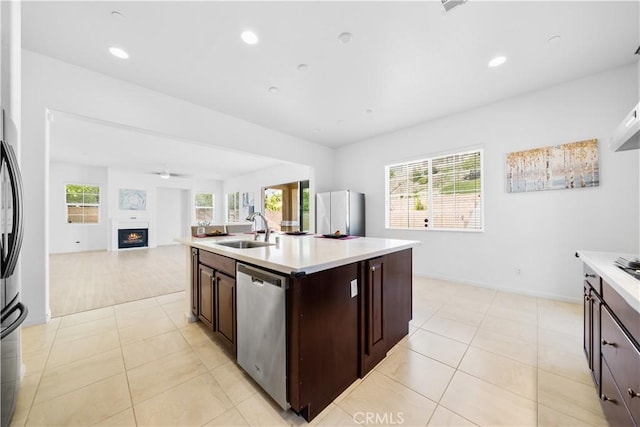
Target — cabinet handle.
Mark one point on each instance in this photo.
(606, 398)
(587, 298)
(632, 393)
(605, 342)
(587, 275)
(373, 268)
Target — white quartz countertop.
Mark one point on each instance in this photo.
(302, 254)
(626, 285)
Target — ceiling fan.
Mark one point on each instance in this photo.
(165, 174)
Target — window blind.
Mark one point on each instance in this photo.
(443, 192)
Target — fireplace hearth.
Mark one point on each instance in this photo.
(133, 238)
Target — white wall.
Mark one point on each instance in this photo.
(52, 84)
(153, 185)
(172, 216)
(254, 182)
(169, 206)
(538, 232)
(64, 237)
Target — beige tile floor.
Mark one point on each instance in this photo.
(473, 357)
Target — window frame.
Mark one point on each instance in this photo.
(228, 209)
(430, 199)
(196, 207)
(97, 205)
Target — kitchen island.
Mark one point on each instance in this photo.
(348, 302)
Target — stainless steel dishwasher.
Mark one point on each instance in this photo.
(261, 329)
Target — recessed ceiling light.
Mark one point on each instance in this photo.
(497, 61)
(273, 89)
(553, 39)
(249, 37)
(316, 130)
(303, 67)
(117, 15)
(118, 53)
(345, 37)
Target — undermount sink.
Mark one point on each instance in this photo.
(244, 244)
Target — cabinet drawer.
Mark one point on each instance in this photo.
(628, 317)
(218, 262)
(593, 279)
(612, 401)
(623, 359)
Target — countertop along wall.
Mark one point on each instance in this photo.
(537, 232)
(48, 83)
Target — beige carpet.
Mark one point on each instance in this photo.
(87, 280)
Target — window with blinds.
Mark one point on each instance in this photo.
(443, 193)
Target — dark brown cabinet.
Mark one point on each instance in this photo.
(341, 322)
(205, 298)
(374, 343)
(591, 341)
(217, 296)
(622, 357)
(611, 334)
(225, 298)
(612, 402)
(385, 306)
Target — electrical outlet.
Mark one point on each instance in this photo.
(354, 288)
(518, 271)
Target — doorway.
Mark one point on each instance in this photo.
(286, 206)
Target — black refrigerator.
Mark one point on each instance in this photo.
(13, 312)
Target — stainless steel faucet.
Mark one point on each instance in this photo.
(267, 231)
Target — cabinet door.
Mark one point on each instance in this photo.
(375, 303)
(206, 306)
(591, 340)
(596, 362)
(374, 346)
(194, 281)
(225, 308)
(587, 332)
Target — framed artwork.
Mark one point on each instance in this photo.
(133, 200)
(572, 165)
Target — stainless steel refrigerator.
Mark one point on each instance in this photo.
(13, 312)
(341, 211)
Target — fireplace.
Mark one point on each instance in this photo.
(133, 238)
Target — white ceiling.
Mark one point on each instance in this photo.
(82, 140)
(408, 62)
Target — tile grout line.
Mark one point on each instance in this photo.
(26, 419)
(126, 371)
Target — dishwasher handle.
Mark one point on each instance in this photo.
(261, 277)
